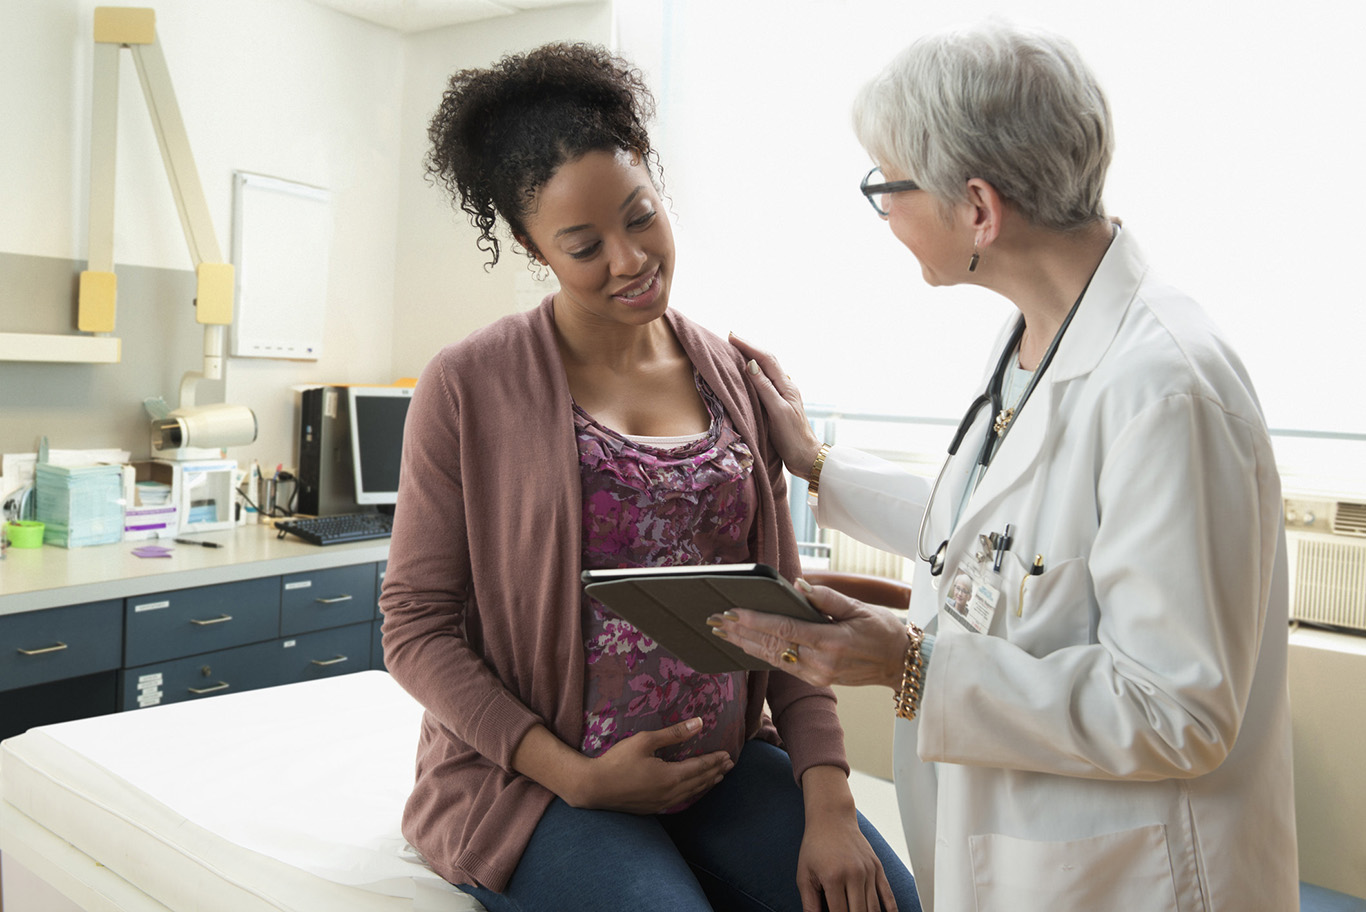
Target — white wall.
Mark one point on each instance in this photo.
(1235, 126)
(442, 290)
(280, 87)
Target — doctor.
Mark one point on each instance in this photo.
(1093, 677)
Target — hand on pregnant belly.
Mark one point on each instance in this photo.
(629, 776)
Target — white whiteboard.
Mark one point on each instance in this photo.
(281, 235)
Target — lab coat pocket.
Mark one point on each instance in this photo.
(1050, 611)
(1128, 870)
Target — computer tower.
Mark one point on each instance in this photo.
(326, 485)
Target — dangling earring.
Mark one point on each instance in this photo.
(972, 263)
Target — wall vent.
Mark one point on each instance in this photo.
(1349, 518)
(849, 555)
(1327, 579)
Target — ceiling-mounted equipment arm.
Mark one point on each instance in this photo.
(117, 28)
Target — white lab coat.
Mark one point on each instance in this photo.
(1119, 741)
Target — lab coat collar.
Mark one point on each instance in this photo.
(1102, 308)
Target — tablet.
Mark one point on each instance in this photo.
(672, 604)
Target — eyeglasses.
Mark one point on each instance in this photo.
(875, 191)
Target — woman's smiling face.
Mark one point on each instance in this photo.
(599, 224)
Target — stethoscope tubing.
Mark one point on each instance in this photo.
(990, 397)
(991, 439)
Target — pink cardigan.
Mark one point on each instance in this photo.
(481, 597)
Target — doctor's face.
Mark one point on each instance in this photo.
(917, 221)
(599, 224)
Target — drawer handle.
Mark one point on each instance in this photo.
(37, 652)
(337, 661)
(334, 600)
(221, 685)
(221, 619)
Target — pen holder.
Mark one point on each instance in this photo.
(267, 499)
(24, 534)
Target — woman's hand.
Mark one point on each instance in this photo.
(788, 428)
(865, 645)
(629, 777)
(836, 861)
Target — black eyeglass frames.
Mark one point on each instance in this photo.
(874, 191)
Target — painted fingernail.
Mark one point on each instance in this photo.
(752, 366)
(730, 615)
(716, 631)
(714, 621)
(803, 585)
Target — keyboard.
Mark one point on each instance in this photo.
(333, 530)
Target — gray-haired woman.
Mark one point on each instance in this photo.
(1103, 724)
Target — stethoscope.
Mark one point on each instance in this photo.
(998, 429)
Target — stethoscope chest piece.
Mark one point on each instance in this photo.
(937, 561)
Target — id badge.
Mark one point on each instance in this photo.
(972, 599)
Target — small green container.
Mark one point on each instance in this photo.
(24, 534)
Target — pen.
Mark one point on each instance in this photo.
(1034, 570)
(191, 541)
(1002, 546)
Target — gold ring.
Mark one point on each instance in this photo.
(790, 654)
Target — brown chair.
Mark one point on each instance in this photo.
(866, 712)
(875, 590)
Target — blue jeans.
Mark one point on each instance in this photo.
(733, 851)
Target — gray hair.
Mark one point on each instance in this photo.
(1015, 107)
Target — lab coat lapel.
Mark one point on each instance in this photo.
(1015, 456)
(1097, 320)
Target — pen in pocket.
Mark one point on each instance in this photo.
(1035, 570)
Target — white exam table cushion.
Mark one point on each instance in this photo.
(286, 798)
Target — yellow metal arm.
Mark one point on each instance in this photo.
(135, 29)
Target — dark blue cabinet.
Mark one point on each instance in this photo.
(327, 598)
(38, 647)
(81, 660)
(196, 677)
(203, 619)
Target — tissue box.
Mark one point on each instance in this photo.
(149, 502)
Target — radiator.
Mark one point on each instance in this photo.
(1326, 544)
(849, 555)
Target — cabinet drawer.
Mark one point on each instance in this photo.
(191, 621)
(56, 643)
(327, 598)
(325, 653)
(197, 677)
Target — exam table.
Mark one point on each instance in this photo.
(287, 798)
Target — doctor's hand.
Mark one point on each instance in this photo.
(629, 777)
(866, 644)
(788, 428)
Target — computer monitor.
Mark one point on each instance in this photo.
(377, 414)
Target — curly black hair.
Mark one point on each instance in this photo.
(502, 132)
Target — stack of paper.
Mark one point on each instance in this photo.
(81, 505)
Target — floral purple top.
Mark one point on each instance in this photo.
(649, 507)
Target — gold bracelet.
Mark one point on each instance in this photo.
(813, 478)
(907, 696)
